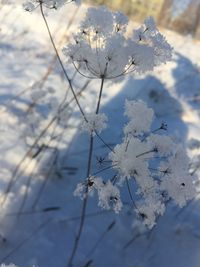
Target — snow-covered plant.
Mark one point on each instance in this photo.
(102, 48)
(31, 5)
(95, 123)
(158, 166)
(108, 193)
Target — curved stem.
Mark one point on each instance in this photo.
(60, 61)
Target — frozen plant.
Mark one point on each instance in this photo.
(95, 123)
(31, 5)
(101, 48)
(158, 166)
(93, 183)
(108, 193)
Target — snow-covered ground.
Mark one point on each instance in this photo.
(39, 214)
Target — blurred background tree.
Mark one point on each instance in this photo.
(182, 16)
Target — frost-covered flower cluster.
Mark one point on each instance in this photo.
(108, 193)
(149, 159)
(95, 123)
(101, 48)
(31, 5)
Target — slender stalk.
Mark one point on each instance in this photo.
(130, 194)
(100, 95)
(83, 212)
(84, 207)
(60, 61)
(66, 75)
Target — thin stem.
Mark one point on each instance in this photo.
(130, 194)
(84, 207)
(83, 212)
(107, 145)
(82, 74)
(104, 169)
(100, 94)
(60, 61)
(146, 152)
(106, 231)
(62, 66)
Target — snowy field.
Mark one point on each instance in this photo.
(39, 214)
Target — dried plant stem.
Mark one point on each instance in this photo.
(60, 61)
(84, 207)
(66, 75)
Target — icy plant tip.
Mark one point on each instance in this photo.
(94, 123)
(101, 48)
(31, 5)
(155, 168)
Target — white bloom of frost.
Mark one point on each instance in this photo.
(159, 167)
(149, 210)
(135, 110)
(127, 160)
(9, 265)
(109, 197)
(109, 194)
(31, 5)
(178, 182)
(88, 187)
(162, 143)
(95, 123)
(179, 188)
(101, 48)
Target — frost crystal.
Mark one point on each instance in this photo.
(88, 187)
(109, 194)
(135, 110)
(101, 48)
(149, 210)
(109, 197)
(95, 123)
(162, 143)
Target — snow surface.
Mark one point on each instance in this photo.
(44, 238)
